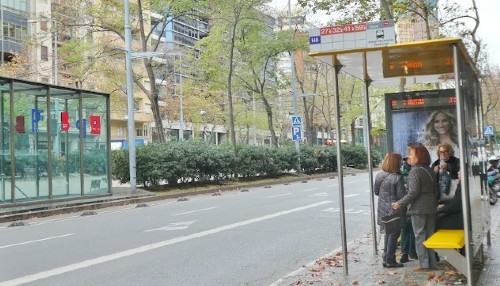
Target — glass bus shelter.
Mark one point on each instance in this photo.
(428, 79)
(54, 142)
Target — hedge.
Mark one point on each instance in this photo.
(191, 161)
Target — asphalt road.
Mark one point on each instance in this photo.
(238, 238)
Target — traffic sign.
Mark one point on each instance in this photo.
(296, 133)
(296, 120)
(488, 130)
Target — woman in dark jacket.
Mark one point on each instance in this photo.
(447, 162)
(389, 186)
(421, 200)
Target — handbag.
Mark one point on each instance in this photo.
(444, 182)
(391, 223)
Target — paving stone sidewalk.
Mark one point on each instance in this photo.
(365, 268)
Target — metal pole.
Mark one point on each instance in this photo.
(254, 118)
(294, 91)
(130, 99)
(340, 172)
(464, 180)
(56, 57)
(1, 28)
(181, 131)
(366, 129)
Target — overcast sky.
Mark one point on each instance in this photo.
(488, 28)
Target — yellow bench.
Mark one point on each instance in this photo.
(446, 242)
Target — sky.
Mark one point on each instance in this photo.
(488, 28)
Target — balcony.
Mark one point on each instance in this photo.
(139, 116)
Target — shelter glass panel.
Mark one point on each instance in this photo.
(65, 148)
(30, 142)
(95, 151)
(5, 186)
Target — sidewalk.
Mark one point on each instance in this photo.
(365, 268)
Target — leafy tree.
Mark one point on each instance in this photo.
(219, 58)
(260, 49)
(106, 36)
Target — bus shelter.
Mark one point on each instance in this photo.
(54, 143)
(429, 77)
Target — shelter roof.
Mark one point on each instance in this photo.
(417, 62)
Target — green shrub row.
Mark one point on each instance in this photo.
(196, 161)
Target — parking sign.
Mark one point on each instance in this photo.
(296, 133)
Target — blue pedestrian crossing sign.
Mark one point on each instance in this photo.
(296, 133)
(296, 121)
(488, 130)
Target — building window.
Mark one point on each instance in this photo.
(45, 53)
(138, 132)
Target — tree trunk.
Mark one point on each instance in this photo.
(269, 112)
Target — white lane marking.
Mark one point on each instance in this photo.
(148, 247)
(319, 195)
(37, 240)
(308, 190)
(351, 195)
(280, 195)
(351, 211)
(173, 226)
(195, 211)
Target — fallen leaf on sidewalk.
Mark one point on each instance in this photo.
(430, 276)
(381, 282)
(318, 268)
(355, 282)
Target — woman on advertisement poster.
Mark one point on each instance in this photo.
(440, 128)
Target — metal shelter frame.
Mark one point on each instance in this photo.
(441, 61)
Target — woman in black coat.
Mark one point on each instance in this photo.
(389, 186)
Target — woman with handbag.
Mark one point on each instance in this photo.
(421, 200)
(389, 186)
(446, 168)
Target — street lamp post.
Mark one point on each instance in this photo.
(294, 91)
(129, 55)
(130, 99)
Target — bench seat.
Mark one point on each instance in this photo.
(446, 242)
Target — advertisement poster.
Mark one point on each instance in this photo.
(424, 117)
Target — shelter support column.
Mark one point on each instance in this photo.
(465, 180)
(340, 171)
(367, 81)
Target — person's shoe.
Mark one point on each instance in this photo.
(413, 256)
(384, 264)
(394, 265)
(404, 258)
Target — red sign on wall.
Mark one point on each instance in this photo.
(64, 121)
(95, 124)
(20, 124)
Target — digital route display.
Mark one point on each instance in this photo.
(421, 99)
